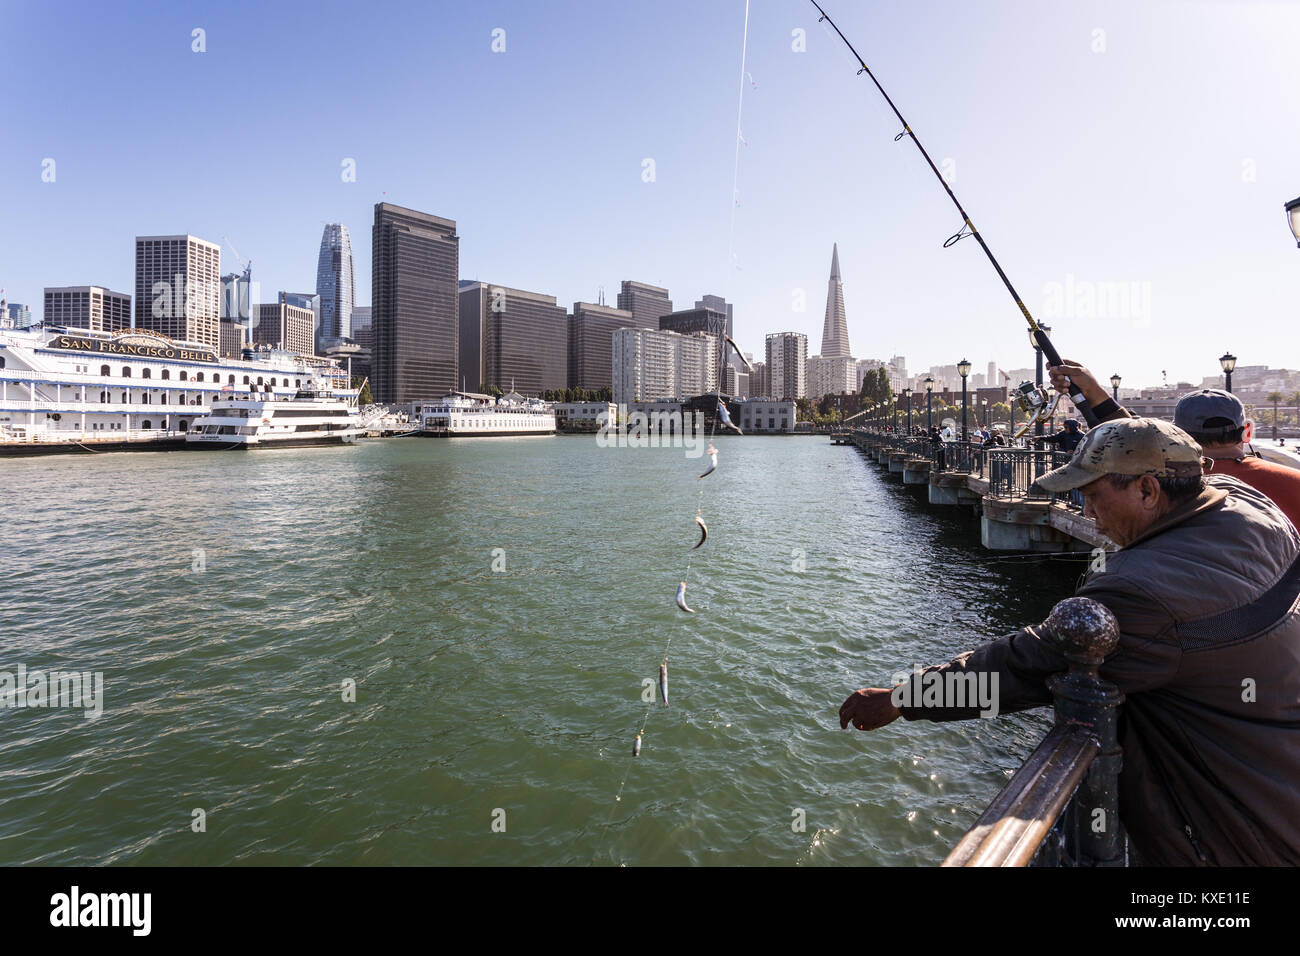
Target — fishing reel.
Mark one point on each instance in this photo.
(1036, 402)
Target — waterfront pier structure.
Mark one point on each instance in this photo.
(995, 482)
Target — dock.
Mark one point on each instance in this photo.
(996, 483)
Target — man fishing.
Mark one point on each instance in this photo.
(1067, 440)
(1206, 589)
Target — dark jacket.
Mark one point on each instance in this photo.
(1208, 603)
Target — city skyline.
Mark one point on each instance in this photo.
(1130, 279)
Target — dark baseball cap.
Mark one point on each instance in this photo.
(1196, 408)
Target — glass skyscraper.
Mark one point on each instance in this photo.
(414, 305)
(334, 285)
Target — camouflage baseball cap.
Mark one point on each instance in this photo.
(1128, 446)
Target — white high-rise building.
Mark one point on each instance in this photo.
(832, 375)
(334, 285)
(178, 288)
(897, 373)
(787, 366)
(650, 364)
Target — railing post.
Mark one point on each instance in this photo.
(1086, 632)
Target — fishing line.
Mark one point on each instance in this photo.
(735, 173)
(1036, 332)
(721, 371)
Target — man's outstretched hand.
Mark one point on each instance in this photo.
(869, 709)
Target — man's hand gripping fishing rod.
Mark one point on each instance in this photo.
(1036, 334)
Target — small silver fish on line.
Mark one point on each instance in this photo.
(743, 361)
(636, 746)
(704, 533)
(663, 682)
(725, 417)
(713, 460)
(681, 598)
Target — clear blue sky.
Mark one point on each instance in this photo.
(1163, 161)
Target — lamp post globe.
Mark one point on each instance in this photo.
(1293, 218)
(963, 367)
(929, 391)
(907, 394)
(1114, 386)
(1227, 362)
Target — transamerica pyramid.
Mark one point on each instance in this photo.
(835, 331)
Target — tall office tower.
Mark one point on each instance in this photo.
(645, 302)
(334, 285)
(178, 288)
(16, 314)
(284, 326)
(87, 307)
(718, 304)
(702, 318)
(362, 331)
(512, 339)
(305, 300)
(234, 338)
(758, 380)
(787, 366)
(414, 305)
(835, 329)
(237, 296)
(992, 378)
(363, 336)
(591, 334)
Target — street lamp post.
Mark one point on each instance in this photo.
(929, 391)
(907, 394)
(1293, 218)
(1227, 361)
(1114, 386)
(964, 368)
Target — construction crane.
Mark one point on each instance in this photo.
(246, 263)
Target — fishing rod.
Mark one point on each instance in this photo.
(1032, 398)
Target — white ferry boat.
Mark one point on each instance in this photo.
(66, 389)
(317, 415)
(464, 414)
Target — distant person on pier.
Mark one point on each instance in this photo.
(1206, 589)
(936, 446)
(1067, 439)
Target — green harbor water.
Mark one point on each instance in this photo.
(494, 710)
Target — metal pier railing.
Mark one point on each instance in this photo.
(1061, 808)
